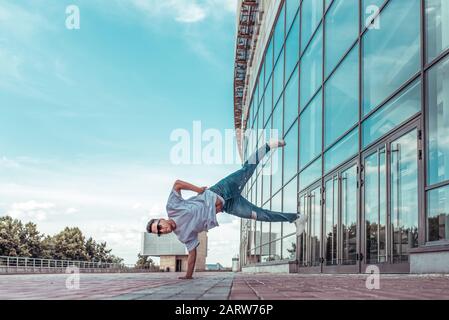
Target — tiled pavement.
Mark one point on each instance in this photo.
(222, 286)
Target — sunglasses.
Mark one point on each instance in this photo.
(158, 228)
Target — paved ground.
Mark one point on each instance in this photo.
(221, 286)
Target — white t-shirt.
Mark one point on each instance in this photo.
(192, 216)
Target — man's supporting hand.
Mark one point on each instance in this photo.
(190, 264)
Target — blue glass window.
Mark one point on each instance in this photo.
(397, 111)
(437, 27)
(310, 131)
(342, 98)
(312, 12)
(292, 9)
(342, 23)
(438, 214)
(279, 33)
(291, 153)
(311, 174)
(291, 99)
(278, 78)
(342, 151)
(438, 122)
(269, 60)
(292, 48)
(391, 53)
(312, 69)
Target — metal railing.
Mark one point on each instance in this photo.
(34, 265)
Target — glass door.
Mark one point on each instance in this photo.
(340, 232)
(391, 201)
(310, 241)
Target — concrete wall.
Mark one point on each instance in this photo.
(169, 261)
(429, 262)
(271, 268)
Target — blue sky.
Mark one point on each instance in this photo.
(86, 115)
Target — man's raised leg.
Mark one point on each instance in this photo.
(242, 208)
(233, 184)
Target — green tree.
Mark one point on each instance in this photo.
(18, 240)
(10, 231)
(32, 239)
(69, 245)
(145, 262)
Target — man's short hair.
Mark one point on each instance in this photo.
(150, 223)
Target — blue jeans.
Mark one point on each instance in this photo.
(230, 189)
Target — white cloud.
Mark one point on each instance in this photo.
(30, 210)
(185, 11)
(6, 162)
(71, 211)
(137, 206)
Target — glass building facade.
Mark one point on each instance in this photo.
(359, 89)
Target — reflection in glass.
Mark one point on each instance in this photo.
(265, 253)
(269, 60)
(310, 174)
(311, 69)
(310, 240)
(265, 238)
(292, 7)
(278, 79)
(290, 205)
(289, 248)
(342, 23)
(438, 122)
(342, 98)
(312, 11)
(404, 195)
(292, 49)
(258, 234)
(268, 99)
(315, 227)
(331, 224)
(343, 150)
(279, 33)
(259, 188)
(394, 113)
(437, 27)
(376, 206)
(438, 214)
(391, 53)
(303, 206)
(291, 100)
(276, 163)
(266, 187)
(275, 250)
(310, 131)
(276, 205)
(261, 81)
(349, 215)
(291, 153)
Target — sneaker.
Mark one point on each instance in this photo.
(301, 224)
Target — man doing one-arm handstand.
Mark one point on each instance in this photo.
(188, 217)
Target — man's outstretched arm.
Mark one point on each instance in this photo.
(190, 264)
(182, 185)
